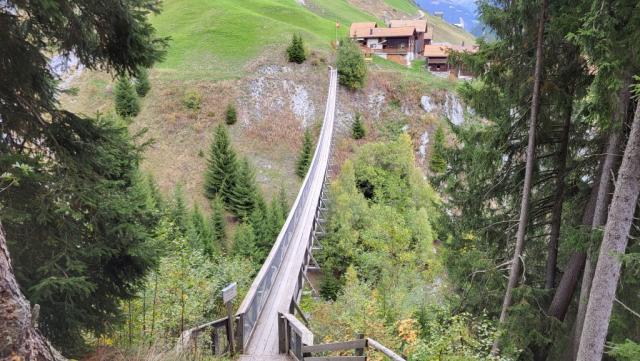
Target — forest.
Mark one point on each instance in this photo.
(518, 239)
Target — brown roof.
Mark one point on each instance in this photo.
(361, 28)
(442, 50)
(386, 32)
(420, 25)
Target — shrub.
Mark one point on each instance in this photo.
(192, 100)
(295, 51)
(358, 131)
(127, 104)
(142, 82)
(231, 115)
(351, 65)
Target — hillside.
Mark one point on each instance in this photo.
(232, 52)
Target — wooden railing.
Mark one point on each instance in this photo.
(216, 342)
(296, 340)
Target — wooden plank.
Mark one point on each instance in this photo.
(293, 355)
(300, 329)
(378, 346)
(335, 346)
(336, 358)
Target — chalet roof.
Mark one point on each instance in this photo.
(442, 50)
(420, 25)
(361, 28)
(386, 32)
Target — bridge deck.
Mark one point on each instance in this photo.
(263, 343)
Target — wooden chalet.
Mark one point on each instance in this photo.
(424, 33)
(437, 58)
(397, 44)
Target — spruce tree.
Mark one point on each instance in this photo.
(200, 232)
(244, 193)
(222, 166)
(295, 51)
(259, 220)
(126, 99)
(305, 155)
(358, 131)
(179, 212)
(244, 241)
(142, 82)
(438, 163)
(231, 115)
(218, 229)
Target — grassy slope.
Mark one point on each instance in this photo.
(215, 39)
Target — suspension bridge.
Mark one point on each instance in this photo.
(269, 324)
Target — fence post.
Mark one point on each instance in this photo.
(240, 333)
(360, 350)
(282, 338)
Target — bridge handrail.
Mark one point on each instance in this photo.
(251, 306)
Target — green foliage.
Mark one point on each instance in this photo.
(230, 115)
(244, 195)
(126, 99)
(357, 130)
(244, 242)
(352, 69)
(218, 228)
(200, 233)
(306, 154)
(221, 173)
(192, 99)
(626, 351)
(295, 51)
(438, 163)
(142, 82)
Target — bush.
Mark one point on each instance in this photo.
(192, 100)
(231, 115)
(358, 131)
(295, 51)
(142, 82)
(351, 65)
(127, 104)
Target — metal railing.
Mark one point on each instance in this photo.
(255, 299)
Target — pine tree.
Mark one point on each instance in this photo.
(351, 65)
(295, 51)
(179, 211)
(357, 130)
(244, 241)
(305, 155)
(230, 115)
(438, 163)
(126, 99)
(244, 193)
(142, 82)
(200, 232)
(259, 220)
(218, 228)
(222, 166)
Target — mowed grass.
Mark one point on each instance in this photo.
(215, 39)
(342, 11)
(406, 6)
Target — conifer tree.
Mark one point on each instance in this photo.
(200, 232)
(222, 166)
(179, 212)
(358, 131)
(244, 193)
(126, 100)
(295, 51)
(244, 241)
(259, 219)
(230, 115)
(218, 231)
(142, 82)
(305, 155)
(438, 163)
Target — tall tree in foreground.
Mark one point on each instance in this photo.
(78, 214)
(302, 166)
(614, 243)
(20, 337)
(351, 65)
(514, 272)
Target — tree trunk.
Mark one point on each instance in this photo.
(600, 213)
(514, 272)
(566, 288)
(614, 243)
(556, 213)
(19, 338)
